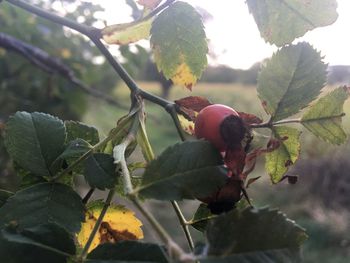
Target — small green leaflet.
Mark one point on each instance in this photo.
(291, 79)
(324, 118)
(34, 141)
(78, 130)
(123, 34)
(179, 44)
(185, 170)
(260, 230)
(282, 21)
(279, 160)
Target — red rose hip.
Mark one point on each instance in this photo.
(209, 124)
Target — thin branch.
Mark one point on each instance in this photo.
(88, 195)
(89, 31)
(98, 223)
(184, 224)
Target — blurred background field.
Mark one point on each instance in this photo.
(319, 201)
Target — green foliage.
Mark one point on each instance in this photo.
(201, 218)
(259, 230)
(42, 243)
(100, 171)
(80, 130)
(282, 21)
(324, 118)
(178, 38)
(279, 160)
(291, 79)
(184, 171)
(44, 203)
(4, 195)
(43, 143)
(129, 251)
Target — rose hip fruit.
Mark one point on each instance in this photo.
(221, 125)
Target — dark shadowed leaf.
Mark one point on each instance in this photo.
(201, 218)
(267, 256)
(291, 79)
(34, 141)
(75, 149)
(100, 171)
(4, 195)
(80, 130)
(279, 160)
(130, 251)
(42, 243)
(44, 203)
(179, 44)
(186, 170)
(282, 21)
(324, 118)
(254, 230)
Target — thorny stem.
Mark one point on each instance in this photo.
(98, 223)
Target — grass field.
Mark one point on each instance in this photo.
(325, 240)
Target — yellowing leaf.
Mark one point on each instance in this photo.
(179, 44)
(279, 160)
(118, 224)
(187, 126)
(184, 76)
(122, 34)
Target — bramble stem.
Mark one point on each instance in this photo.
(98, 223)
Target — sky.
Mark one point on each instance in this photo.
(236, 41)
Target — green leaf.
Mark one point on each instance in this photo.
(201, 218)
(100, 171)
(279, 160)
(324, 118)
(78, 130)
(123, 34)
(44, 203)
(187, 170)
(291, 79)
(253, 230)
(179, 44)
(43, 243)
(4, 195)
(75, 149)
(282, 21)
(130, 251)
(34, 141)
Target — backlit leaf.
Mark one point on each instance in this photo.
(279, 160)
(282, 21)
(324, 118)
(179, 44)
(186, 170)
(34, 141)
(253, 230)
(123, 34)
(118, 224)
(44, 203)
(291, 79)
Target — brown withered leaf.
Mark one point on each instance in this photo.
(249, 118)
(190, 106)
